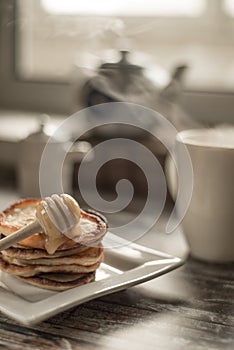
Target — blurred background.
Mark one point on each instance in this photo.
(60, 56)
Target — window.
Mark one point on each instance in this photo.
(228, 6)
(55, 38)
(172, 8)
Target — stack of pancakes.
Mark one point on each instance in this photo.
(72, 264)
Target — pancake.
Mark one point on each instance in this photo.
(24, 212)
(62, 277)
(47, 283)
(88, 257)
(74, 262)
(30, 253)
(32, 270)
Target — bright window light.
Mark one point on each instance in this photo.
(165, 8)
(229, 7)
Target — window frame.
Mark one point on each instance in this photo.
(18, 93)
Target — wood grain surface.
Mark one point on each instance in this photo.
(189, 308)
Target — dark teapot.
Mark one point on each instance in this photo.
(124, 81)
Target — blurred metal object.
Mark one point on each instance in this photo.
(29, 157)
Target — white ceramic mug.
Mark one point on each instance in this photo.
(209, 220)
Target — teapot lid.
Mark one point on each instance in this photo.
(40, 135)
(122, 64)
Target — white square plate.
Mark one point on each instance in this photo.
(126, 264)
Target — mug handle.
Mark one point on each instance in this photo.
(171, 176)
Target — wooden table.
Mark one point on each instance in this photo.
(189, 308)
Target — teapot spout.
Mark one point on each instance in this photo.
(172, 91)
(179, 71)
